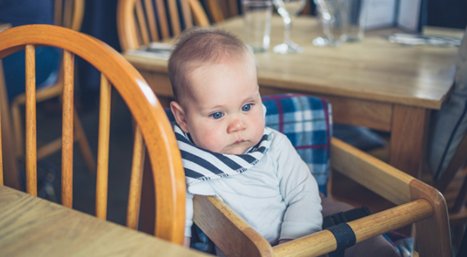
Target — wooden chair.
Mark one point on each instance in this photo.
(141, 22)
(220, 10)
(415, 203)
(152, 126)
(68, 14)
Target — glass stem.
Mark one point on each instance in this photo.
(287, 27)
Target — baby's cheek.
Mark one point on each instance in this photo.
(211, 141)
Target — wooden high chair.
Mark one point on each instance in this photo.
(67, 14)
(153, 135)
(415, 202)
(142, 22)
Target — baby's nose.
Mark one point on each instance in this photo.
(236, 125)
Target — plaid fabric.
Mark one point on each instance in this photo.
(306, 121)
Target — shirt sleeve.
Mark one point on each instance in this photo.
(189, 214)
(300, 193)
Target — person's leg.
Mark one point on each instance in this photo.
(375, 246)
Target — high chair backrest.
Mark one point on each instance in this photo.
(141, 22)
(307, 122)
(152, 128)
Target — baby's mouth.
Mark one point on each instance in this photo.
(239, 141)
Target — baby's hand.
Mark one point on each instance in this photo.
(186, 242)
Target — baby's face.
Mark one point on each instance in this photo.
(225, 114)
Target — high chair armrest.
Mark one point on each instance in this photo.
(415, 202)
(216, 219)
(323, 242)
(433, 235)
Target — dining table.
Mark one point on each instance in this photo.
(31, 226)
(374, 83)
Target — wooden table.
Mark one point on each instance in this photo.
(30, 226)
(372, 83)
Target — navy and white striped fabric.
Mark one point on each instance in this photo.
(201, 164)
(307, 122)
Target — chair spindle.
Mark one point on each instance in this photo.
(134, 195)
(31, 137)
(67, 129)
(103, 149)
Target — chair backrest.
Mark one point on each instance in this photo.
(230, 7)
(307, 122)
(141, 22)
(69, 13)
(219, 10)
(151, 125)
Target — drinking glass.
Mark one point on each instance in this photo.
(287, 9)
(257, 18)
(333, 20)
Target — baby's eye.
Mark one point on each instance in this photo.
(247, 107)
(216, 115)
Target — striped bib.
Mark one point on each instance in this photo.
(201, 164)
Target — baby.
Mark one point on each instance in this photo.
(227, 150)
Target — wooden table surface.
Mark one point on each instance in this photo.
(30, 226)
(372, 83)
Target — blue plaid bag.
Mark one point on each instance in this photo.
(307, 122)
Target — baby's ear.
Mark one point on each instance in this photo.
(179, 115)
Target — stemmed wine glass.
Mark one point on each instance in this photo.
(287, 9)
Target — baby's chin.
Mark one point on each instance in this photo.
(237, 148)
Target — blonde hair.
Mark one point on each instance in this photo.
(197, 47)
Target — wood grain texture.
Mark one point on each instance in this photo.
(381, 178)
(163, 154)
(67, 129)
(136, 181)
(102, 181)
(323, 242)
(433, 234)
(373, 69)
(136, 30)
(30, 226)
(67, 13)
(372, 83)
(217, 220)
(31, 133)
(408, 138)
(8, 146)
(1, 145)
